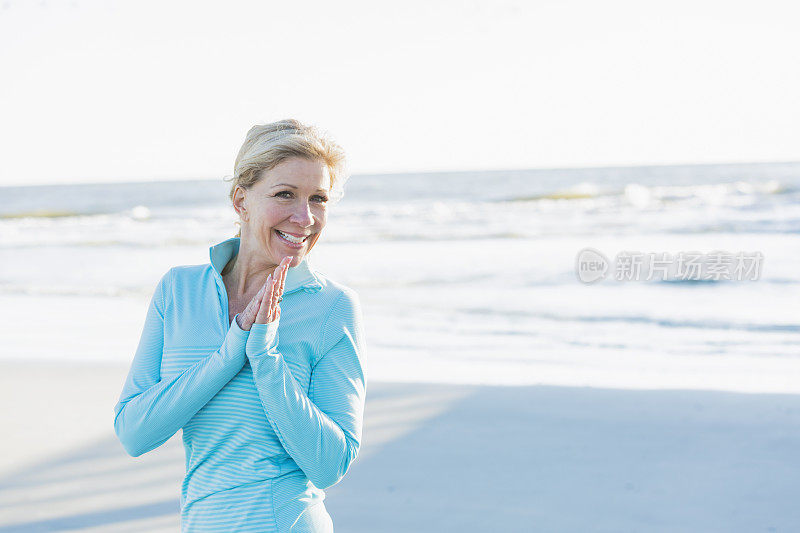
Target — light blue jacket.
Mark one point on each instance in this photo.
(270, 417)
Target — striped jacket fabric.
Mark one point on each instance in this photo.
(270, 418)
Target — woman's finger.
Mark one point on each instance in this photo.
(273, 296)
(255, 303)
(282, 278)
(263, 310)
(285, 273)
(247, 316)
(284, 267)
(275, 286)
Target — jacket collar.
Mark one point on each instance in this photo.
(301, 276)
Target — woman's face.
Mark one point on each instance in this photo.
(286, 205)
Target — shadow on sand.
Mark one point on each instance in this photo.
(461, 458)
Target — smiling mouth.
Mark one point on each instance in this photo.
(291, 239)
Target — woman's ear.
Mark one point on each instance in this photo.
(239, 197)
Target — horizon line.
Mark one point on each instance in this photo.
(396, 173)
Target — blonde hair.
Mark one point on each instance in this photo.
(268, 145)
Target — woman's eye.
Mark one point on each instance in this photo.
(317, 198)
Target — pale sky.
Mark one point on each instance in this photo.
(139, 90)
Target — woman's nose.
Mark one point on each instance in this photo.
(302, 215)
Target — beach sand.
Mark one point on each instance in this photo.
(435, 457)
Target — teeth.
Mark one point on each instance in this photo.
(291, 238)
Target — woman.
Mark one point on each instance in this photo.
(271, 415)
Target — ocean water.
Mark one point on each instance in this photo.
(465, 277)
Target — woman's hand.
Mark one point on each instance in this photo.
(265, 307)
(270, 309)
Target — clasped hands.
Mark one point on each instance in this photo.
(265, 307)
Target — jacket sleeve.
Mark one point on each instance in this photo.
(321, 431)
(150, 410)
